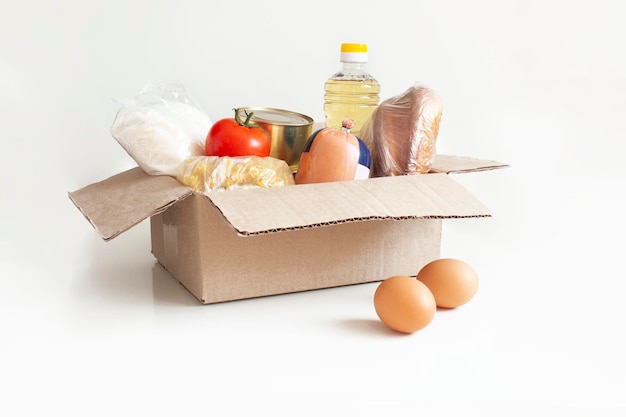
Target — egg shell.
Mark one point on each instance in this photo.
(451, 281)
(404, 304)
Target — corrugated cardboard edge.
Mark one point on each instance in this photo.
(431, 196)
(120, 202)
(452, 164)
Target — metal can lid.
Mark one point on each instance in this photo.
(278, 116)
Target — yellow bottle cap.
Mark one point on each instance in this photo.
(353, 52)
(353, 47)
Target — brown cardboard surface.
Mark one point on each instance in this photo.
(461, 164)
(241, 244)
(310, 205)
(116, 204)
(194, 242)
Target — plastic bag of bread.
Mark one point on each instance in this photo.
(402, 132)
(214, 173)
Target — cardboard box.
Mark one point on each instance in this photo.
(240, 244)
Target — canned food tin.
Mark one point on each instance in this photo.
(289, 132)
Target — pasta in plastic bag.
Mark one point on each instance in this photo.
(161, 127)
(402, 132)
(214, 173)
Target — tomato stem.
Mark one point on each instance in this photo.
(247, 123)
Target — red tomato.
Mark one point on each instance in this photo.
(234, 137)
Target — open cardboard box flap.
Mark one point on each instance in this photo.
(277, 209)
(120, 202)
(452, 164)
(116, 204)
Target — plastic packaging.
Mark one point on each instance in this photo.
(352, 92)
(402, 132)
(334, 155)
(213, 173)
(161, 127)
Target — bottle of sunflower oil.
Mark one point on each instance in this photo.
(352, 92)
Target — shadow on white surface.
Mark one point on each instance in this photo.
(368, 327)
(168, 291)
(116, 283)
(123, 271)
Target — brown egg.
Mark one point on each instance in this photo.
(451, 281)
(404, 304)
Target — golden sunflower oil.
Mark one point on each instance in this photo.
(352, 92)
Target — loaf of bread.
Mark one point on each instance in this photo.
(402, 132)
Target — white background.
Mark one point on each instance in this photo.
(97, 329)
